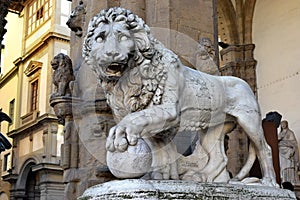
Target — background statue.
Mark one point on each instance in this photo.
(288, 154)
(206, 56)
(62, 75)
(77, 18)
(152, 94)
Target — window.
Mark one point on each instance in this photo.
(12, 109)
(39, 11)
(34, 95)
(33, 71)
(6, 162)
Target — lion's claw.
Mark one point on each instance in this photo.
(110, 145)
(121, 144)
(132, 139)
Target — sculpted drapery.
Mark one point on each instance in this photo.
(288, 154)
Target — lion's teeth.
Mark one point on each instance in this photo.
(118, 73)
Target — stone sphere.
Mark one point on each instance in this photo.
(132, 163)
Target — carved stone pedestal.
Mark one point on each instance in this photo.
(176, 189)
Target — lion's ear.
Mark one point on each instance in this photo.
(142, 41)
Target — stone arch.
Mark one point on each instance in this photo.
(235, 21)
(25, 170)
(27, 181)
(249, 12)
(235, 29)
(227, 24)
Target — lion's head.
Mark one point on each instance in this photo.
(61, 61)
(115, 38)
(118, 45)
(76, 19)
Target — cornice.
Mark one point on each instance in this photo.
(47, 166)
(44, 41)
(32, 125)
(5, 78)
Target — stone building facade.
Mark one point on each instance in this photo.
(36, 31)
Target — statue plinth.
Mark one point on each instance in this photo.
(62, 105)
(63, 108)
(177, 189)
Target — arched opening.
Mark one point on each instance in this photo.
(28, 182)
(32, 190)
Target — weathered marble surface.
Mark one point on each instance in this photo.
(153, 95)
(167, 189)
(138, 156)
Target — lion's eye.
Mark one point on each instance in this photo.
(99, 39)
(123, 38)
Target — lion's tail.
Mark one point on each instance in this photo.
(248, 165)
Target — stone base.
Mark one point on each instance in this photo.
(177, 189)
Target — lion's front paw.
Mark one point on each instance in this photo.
(119, 137)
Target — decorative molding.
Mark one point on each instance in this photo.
(32, 124)
(32, 116)
(16, 6)
(47, 166)
(41, 43)
(33, 67)
(8, 75)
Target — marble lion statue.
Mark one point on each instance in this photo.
(152, 93)
(62, 75)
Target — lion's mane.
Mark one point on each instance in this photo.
(144, 84)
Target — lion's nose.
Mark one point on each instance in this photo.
(112, 54)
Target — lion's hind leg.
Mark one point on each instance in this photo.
(213, 143)
(251, 123)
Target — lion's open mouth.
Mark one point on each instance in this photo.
(115, 69)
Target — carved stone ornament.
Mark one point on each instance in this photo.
(153, 95)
